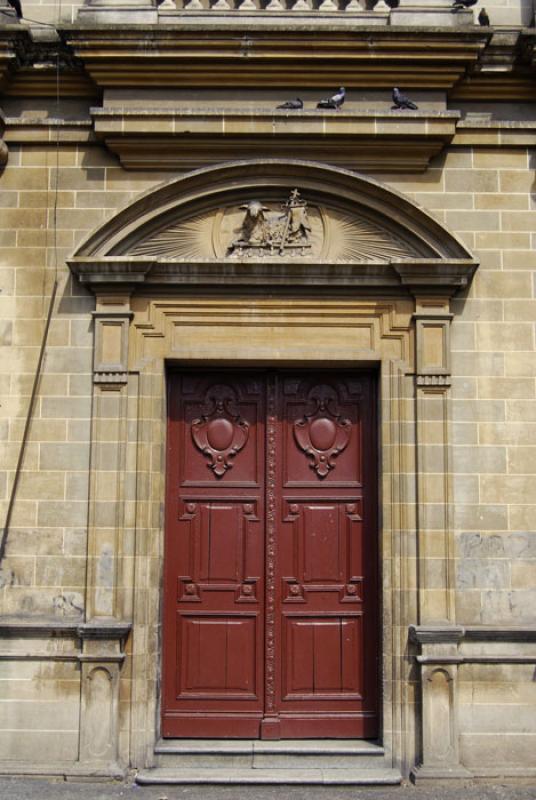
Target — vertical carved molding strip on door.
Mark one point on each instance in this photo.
(271, 422)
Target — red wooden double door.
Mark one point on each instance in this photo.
(270, 599)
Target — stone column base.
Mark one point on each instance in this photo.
(440, 775)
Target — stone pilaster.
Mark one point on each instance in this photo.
(436, 590)
(437, 635)
(107, 604)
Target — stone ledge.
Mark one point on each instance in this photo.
(456, 644)
(25, 627)
(185, 139)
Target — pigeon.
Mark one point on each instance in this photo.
(15, 4)
(401, 101)
(483, 18)
(294, 105)
(458, 5)
(335, 101)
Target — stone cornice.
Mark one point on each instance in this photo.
(270, 52)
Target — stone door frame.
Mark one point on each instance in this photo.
(365, 320)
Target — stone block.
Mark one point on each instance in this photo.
(79, 430)
(516, 180)
(473, 220)
(508, 607)
(479, 460)
(477, 574)
(476, 363)
(481, 517)
(65, 407)
(467, 180)
(506, 388)
(501, 241)
(33, 541)
(42, 484)
(524, 576)
(515, 336)
(511, 433)
(519, 259)
(521, 518)
(522, 460)
(53, 571)
(520, 310)
(503, 285)
(480, 546)
(63, 456)
(466, 410)
(520, 364)
(521, 410)
(52, 514)
(493, 158)
(465, 489)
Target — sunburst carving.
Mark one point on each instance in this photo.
(190, 238)
(335, 236)
(359, 239)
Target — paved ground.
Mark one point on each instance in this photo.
(38, 789)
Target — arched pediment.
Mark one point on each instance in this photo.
(275, 221)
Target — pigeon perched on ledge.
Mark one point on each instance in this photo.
(459, 5)
(483, 18)
(15, 4)
(401, 101)
(294, 105)
(335, 101)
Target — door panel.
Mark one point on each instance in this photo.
(270, 604)
(326, 562)
(214, 559)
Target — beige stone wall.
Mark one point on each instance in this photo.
(484, 196)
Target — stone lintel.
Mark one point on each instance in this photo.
(444, 276)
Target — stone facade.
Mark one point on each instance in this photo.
(104, 134)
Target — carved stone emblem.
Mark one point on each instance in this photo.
(322, 433)
(220, 433)
(274, 231)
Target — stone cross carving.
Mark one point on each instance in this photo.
(274, 231)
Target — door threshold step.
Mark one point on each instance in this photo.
(281, 777)
(351, 747)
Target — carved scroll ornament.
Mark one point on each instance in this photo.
(220, 433)
(322, 433)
